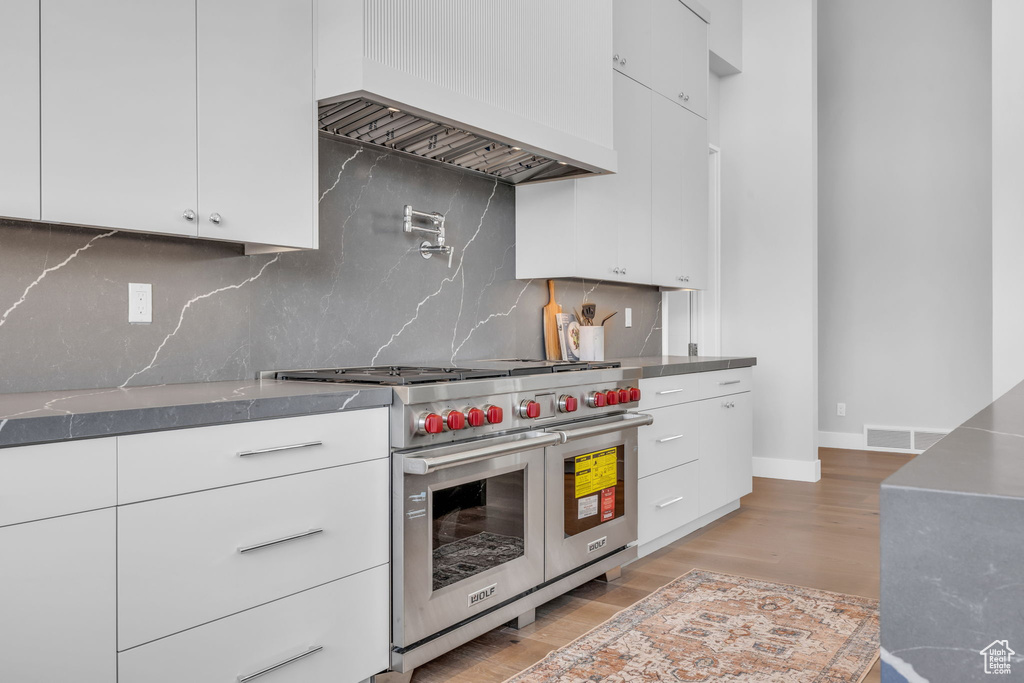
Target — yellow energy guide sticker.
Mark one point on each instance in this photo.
(596, 471)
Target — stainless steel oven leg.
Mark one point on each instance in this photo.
(524, 619)
(612, 574)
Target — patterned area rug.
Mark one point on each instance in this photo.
(465, 557)
(714, 627)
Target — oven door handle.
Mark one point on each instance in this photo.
(627, 421)
(428, 465)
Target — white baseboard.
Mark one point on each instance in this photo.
(850, 440)
(794, 470)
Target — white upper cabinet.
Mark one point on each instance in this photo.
(181, 118)
(680, 40)
(257, 131)
(19, 118)
(119, 114)
(631, 39)
(679, 197)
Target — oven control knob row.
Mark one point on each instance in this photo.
(597, 399)
(429, 423)
(454, 420)
(475, 417)
(529, 409)
(567, 404)
(494, 414)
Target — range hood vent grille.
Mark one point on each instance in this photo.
(377, 124)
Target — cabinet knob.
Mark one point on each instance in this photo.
(616, 271)
(189, 215)
(684, 278)
(684, 97)
(215, 218)
(622, 62)
(623, 271)
(615, 58)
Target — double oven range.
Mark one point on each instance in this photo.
(512, 482)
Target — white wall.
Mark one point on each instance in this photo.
(1007, 195)
(726, 40)
(769, 228)
(905, 189)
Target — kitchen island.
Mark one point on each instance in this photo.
(952, 543)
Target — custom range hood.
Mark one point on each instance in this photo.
(518, 90)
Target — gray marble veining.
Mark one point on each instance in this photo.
(366, 296)
(662, 366)
(40, 417)
(952, 543)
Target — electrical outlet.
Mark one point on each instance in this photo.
(628, 322)
(841, 409)
(140, 303)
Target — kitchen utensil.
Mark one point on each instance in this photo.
(551, 311)
(589, 311)
(607, 317)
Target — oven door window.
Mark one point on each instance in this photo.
(477, 526)
(595, 489)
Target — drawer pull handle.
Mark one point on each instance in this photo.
(670, 391)
(275, 449)
(311, 651)
(731, 381)
(670, 502)
(670, 438)
(278, 541)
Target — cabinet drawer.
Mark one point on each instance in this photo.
(347, 618)
(162, 464)
(724, 382)
(190, 559)
(666, 391)
(667, 501)
(671, 440)
(57, 479)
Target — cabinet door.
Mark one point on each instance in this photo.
(19, 134)
(613, 213)
(679, 67)
(119, 114)
(57, 622)
(726, 450)
(257, 129)
(679, 197)
(631, 39)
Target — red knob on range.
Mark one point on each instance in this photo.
(634, 394)
(475, 417)
(595, 399)
(529, 409)
(623, 395)
(430, 423)
(494, 414)
(454, 420)
(613, 397)
(567, 404)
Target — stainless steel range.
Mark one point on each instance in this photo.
(513, 482)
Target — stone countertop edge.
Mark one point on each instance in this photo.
(983, 457)
(45, 417)
(664, 366)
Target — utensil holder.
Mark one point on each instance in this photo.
(591, 342)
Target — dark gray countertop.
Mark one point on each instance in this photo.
(660, 366)
(60, 415)
(983, 456)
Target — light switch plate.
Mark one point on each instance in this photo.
(140, 303)
(629, 318)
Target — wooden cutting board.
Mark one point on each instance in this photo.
(551, 347)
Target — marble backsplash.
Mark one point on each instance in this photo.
(365, 297)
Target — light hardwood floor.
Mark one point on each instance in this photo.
(821, 535)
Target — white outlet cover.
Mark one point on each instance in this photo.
(140, 303)
(628, 322)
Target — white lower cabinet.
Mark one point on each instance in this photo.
(335, 633)
(668, 500)
(696, 458)
(57, 600)
(726, 450)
